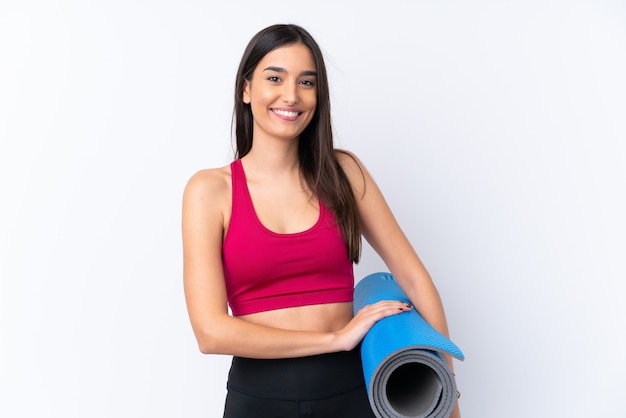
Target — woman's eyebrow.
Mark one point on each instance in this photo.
(282, 70)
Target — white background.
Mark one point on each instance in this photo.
(496, 130)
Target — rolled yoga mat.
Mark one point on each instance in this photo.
(405, 374)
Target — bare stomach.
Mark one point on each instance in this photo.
(324, 317)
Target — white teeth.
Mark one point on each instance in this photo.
(286, 113)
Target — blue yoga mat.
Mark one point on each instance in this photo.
(404, 370)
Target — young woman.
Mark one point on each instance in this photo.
(274, 235)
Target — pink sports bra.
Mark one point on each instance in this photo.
(265, 270)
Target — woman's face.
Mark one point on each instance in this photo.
(282, 92)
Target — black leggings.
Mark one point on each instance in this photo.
(327, 385)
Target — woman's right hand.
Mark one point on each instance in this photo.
(351, 335)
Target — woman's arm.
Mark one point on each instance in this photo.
(383, 233)
(206, 200)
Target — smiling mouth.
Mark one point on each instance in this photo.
(286, 113)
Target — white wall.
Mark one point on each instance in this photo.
(496, 130)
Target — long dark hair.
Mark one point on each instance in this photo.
(318, 164)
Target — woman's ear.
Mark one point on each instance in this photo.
(246, 92)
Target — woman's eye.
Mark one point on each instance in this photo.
(308, 83)
(273, 78)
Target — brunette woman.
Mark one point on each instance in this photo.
(273, 236)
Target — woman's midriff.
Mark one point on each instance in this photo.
(324, 317)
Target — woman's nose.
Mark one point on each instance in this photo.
(290, 93)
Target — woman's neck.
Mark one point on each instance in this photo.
(273, 159)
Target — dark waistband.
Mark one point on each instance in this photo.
(301, 378)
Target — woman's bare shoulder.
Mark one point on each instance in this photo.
(212, 184)
(353, 168)
(346, 157)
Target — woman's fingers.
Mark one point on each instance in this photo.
(383, 309)
(366, 317)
